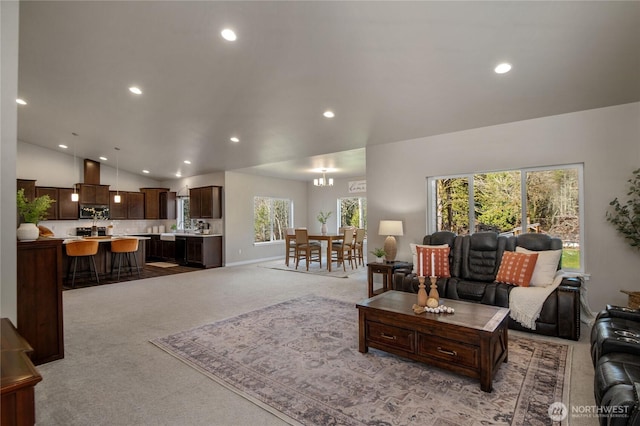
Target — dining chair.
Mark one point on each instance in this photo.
(82, 248)
(358, 246)
(343, 250)
(291, 245)
(309, 251)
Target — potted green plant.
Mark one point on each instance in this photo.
(626, 216)
(379, 254)
(31, 212)
(322, 218)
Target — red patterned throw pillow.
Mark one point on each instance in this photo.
(517, 268)
(441, 261)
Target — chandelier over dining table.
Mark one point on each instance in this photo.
(323, 181)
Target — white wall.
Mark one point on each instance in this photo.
(239, 192)
(606, 140)
(54, 168)
(326, 199)
(9, 13)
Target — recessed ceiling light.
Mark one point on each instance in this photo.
(234, 139)
(228, 34)
(187, 162)
(21, 101)
(103, 158)
(136, 90)
(63, 146)
(145, 171)
(178, 174)
(329, 114)
(502, 68)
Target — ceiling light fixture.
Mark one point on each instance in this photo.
(136, 90)
(323, 181)
(187, 162)
(63, 146)
(502, 68)
(21, 101)
(116, 198)
(146, 171)
(328, 114)
(178, 174)
(228, 34)
(234, 139)
(103, 158)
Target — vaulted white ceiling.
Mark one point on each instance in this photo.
(389, 70)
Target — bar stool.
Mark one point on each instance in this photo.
(82, 248)
(124, 247)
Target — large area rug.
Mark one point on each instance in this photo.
(314, 268)
(299, 359)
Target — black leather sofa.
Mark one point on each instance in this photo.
(474, 261)
(615, 351)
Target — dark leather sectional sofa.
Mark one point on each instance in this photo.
(615, 351)
(474, 261)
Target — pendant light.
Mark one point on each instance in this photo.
(75, 197)
(116, 198)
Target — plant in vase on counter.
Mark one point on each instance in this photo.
(32, 212)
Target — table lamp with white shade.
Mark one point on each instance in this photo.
(390, 228)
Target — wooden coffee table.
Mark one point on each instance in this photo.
(473, 341)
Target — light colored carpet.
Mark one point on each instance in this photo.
(112, 375)
(300, 360)
(314, 268)
(162, 264)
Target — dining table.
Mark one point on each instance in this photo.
(329, 238)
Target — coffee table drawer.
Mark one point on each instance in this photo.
(396, 337)
(449, 350)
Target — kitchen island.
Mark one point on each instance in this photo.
(103, 257)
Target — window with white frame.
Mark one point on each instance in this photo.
(271, 218)
(183, 218)
(545, 200)
(352, 212)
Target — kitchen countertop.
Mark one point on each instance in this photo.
(105, 239)
(178, 234)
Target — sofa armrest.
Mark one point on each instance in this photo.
(399, 276)
(571, 283)
(620, 312)
(568, 298)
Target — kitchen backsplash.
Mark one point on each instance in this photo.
(66, 228)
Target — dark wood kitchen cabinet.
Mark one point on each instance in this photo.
(52, 212)
(67, 209)
(135, 205)
(39, 298)
(158, 249)
(205, 202)
(152, 208)
(63, 208)
(119, 210)
(168, 205)
(94, 194)
(29, 186)
(205, 252)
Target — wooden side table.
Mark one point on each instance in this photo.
(386, 269)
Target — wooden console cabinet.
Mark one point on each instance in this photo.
(39, 298)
